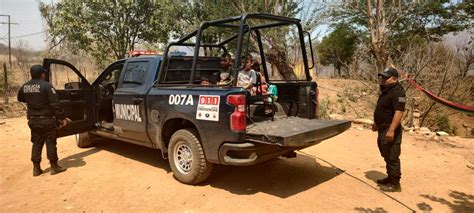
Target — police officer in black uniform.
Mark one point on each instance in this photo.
(387, 116)
(43, 114)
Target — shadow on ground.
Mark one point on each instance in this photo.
(142, 154)
(76, 160)
(462, 202)
(424, 207)
(369, 210)
(279, 177)
(374, 175)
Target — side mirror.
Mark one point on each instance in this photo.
(72, 85)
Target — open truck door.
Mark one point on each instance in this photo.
(74, 93)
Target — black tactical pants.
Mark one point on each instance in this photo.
(391, 153)
(43, 131)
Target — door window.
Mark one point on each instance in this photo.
(134, 74)
(64, 78)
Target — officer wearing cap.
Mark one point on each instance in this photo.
(43, 112)
(387, 116)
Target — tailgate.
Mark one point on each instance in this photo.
(295, 131)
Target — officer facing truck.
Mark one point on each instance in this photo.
(387, 116)
(43, 112)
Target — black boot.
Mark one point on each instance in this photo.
(384, 181)
(55, 168)
(37, 169)
(391, 187)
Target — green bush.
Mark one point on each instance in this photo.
(323, 108)
(441, 121)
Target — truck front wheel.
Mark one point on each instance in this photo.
(85, 140)
(186, 157)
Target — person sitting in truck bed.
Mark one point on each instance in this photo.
(223, 77)
(261, 86)
(205, 81)
(247, 77)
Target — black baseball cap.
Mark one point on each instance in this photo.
(389, 72)
(37, 69)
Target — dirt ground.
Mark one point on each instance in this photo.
(115, 176)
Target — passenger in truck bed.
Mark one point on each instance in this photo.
(205, 81)
(247, 77)
(223, 77)
(261, 85)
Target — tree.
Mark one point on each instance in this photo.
(338, 47)
(106, 29)
(465, 50)
(434, 66)
(390, 26)
(277, 42)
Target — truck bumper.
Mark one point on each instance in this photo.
(250, 153)
(270, 139)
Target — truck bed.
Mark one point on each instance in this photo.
(295, 131)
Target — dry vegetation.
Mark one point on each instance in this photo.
(23, 59)
(442, 71)
(439, 68)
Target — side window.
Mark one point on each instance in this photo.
(113, 76)
(134, 74)
(179, 69)
(64, 78)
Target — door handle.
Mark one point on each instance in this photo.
(137, 100)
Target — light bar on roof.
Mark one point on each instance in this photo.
(135, 53)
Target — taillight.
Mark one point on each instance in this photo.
(239, 116)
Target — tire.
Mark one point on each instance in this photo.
(85, 140)
(187, 159)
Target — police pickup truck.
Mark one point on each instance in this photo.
(158, 101)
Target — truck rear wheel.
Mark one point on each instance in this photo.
(187, 159)
(85, 140)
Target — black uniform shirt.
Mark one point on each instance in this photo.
(390, 100)
(41, 99)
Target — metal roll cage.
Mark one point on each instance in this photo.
(243, 28)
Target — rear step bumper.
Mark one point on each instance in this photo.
(295, 132)
(267, 140)
(250, 153)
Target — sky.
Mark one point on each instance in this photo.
(29, 27)
(27, 15)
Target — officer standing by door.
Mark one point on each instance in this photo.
(387, 116)
(43, 111)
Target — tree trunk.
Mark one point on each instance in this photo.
(5, 84)
(279, 60)
(381, 58)
(376, 24)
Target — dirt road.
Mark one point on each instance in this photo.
(116, 176)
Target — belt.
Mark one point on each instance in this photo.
(39, 116)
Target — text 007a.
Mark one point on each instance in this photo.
(181, 100)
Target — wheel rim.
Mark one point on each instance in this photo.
(183, 157)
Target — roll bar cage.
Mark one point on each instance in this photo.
(243, 28)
